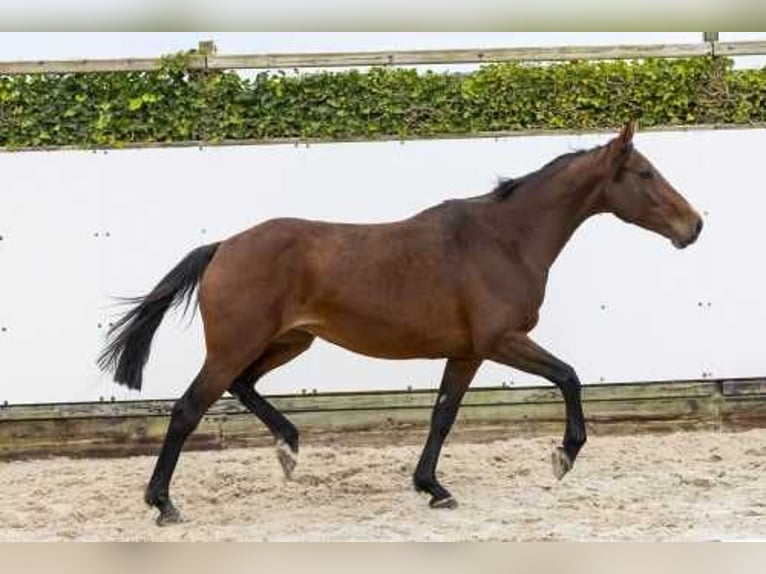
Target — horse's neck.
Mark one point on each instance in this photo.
(541, 221)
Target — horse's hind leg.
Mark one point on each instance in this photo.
(207, 387)
(279, 352)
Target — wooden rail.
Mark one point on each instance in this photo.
(212, 61)
(307, 142)
(124, 428)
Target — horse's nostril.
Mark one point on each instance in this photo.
(698, 229)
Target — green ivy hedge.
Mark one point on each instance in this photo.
(175, 104)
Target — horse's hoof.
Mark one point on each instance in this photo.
(169, 516)
(448, 502)
(286, 458)
(561, 463)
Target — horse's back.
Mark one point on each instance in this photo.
(386, 290)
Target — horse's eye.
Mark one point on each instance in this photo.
(646, 174)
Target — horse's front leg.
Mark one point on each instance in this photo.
(519, 351)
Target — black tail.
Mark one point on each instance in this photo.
(131, 337)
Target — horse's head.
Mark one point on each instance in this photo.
(637, 192)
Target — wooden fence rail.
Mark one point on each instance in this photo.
(124, 428)
(207, 59)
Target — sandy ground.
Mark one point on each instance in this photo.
(696, 486)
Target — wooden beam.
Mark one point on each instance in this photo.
(136, 427)
(210, 60)
(730, 49)
(88, 66)
(739, 388)
(376, 400)
(298, 141)
(455, 56)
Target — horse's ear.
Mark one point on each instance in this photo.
(626, 135)
(623, 142)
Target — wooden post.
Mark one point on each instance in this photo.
(207, 48)
(712, 39)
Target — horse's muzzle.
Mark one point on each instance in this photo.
(694, 233)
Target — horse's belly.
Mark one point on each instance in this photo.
(390, 339)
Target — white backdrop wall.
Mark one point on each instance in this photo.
(79, 228)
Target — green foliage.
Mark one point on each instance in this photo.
(176, 104)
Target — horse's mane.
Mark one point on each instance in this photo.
(506, 186)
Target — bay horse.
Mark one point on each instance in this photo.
(462, 281)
